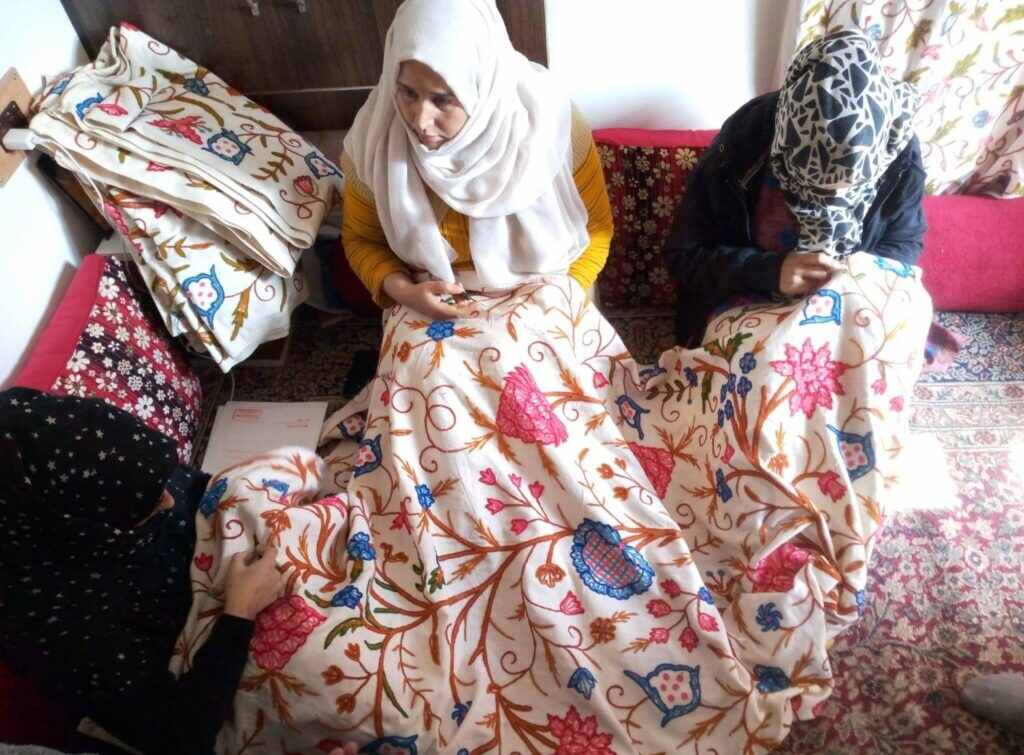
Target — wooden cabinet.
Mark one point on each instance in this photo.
(313, 67)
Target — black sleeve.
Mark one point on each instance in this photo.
(707, 270)
(903, 213)
(183, 716)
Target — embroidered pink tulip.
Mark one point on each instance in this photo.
(728, 453)
(707, 622)
(524, 412)
(111, 108)
(487, 477)
(879, 386)
(281, 629)
(304, 185)
(657, 463)
(688, 639)
(815, 374)
(659, 635)
(600, 381)
(570, 605)
(153, 167)
(830, 485)
(577, 735)
(183, 127)
(203, 562)
(536, 489)
(494, 505)
(518, 526)
(658, 608)
(671, 588)
(896, 403)
(516, 480)
(776, 571)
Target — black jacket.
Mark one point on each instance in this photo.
(710, 249)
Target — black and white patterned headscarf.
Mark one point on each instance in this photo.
(841, 121)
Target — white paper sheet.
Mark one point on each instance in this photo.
(243, 429)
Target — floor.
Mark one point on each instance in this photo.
(946, 594)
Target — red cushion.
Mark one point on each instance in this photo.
(647, 137)
(101, 343)
(974, 253)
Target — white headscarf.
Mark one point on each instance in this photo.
(509, 169)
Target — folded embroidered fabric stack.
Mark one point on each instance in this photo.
(215, 195)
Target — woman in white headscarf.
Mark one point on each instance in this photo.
(532, 544)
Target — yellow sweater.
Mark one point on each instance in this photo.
(372, 260)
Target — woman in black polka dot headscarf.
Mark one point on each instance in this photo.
(99, 530)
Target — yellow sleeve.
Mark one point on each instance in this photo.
(366, 247)
(589, 179)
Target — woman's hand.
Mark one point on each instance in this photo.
(427, 297)
(254, 582)
(803, 272)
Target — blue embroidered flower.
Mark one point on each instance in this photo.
(359, 547)
(743, 387)
(632, 413)
(425, 496)
(705, 595)
(460, 711)
(196, 86)
(280, 487)
(391, 746)
(606, 565)
(721, 418)
(722, 487)
(731, 383)
(583, 682)
(861, 599)
(320, 166)
(88, 104)
(226, 145)
(441, 329)
(769, 618)
(902, 269)
(728, 409)
(874, 32)
(368, 457)
(211, 498)
(204, 293)
(691, 376)
(748, 362)
(61, 85)
(770, 679)
(822, 307)
(348, 597)
(858, 452)
(672, 687)
(980, 119)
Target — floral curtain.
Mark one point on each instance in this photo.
(966, 58)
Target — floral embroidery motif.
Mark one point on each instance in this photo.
(226, 145)
(606, 565)
(359, 547)
(368, 457)
(858, 452)
(576, 734)
(204, 293)
(631, 413)
(391, 746)
(777, 571)
(441, 329)
(211, 498)
(824, 306)
(320, 166)
(88, 104)
(770, 679)
(815, 374)
(281, 629)
(672, 687)
(769, 618)
(583, 682)
(657, 463)
(524, 412)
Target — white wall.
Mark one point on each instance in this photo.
(667, 63)
(44, 235)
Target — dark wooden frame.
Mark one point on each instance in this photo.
(313, 69)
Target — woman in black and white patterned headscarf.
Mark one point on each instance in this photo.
(798, 179)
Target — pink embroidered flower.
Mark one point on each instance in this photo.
(659, 635)
(896, 403)
(385, 397)
(600, 381)
(688, 639)
(671, 588)
(153, 167)
(879, 386)
(830, 485)
(536, 489)
(401, 522)
(304, 185)
(815, 374)
(579, 736)
(494, 505)
(524, 412)
(707, 622)
(570, 605)
(727, 454)
(203, 562)
(184, 127)
(516, 480)
(658, 608)
(518, 526)
(657, 463)
(281, 629)
(776, 571)
(930, 51)
(111, 108)
(487, 477)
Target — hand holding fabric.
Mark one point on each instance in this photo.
(427, 298)
(254, 582)
(803, 272)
